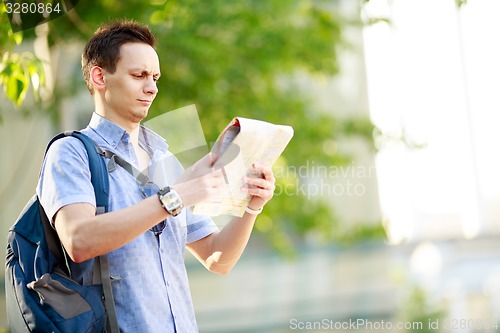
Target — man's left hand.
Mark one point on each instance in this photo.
(261, 188)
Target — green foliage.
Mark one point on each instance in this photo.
(242, 58)
(17, 70)
(418, 309)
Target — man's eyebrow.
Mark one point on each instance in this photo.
(142, 70)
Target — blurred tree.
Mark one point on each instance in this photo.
(241, 58)
(17, 70)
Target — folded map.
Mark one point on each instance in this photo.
(242, 143)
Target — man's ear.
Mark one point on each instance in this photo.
(97, 78)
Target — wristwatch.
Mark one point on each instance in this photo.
(170, 200)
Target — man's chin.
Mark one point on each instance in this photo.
(140, 115)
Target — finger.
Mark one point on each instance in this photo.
(204, 162)
(259, 182)
(216, 177)
(212, 158)
(201, 168)
(266, 172)
(208, 159)
(219, 174)
(269, 174)
(265, 195)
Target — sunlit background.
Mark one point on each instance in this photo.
(432, 77)
(387, 205)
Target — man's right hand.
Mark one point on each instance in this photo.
(200, 182)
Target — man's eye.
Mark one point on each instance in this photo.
(137, 75)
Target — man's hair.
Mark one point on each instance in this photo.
(103, 48)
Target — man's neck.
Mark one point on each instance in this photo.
(134, 135)
(131, 128)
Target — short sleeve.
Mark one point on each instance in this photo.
(65, 176)
(199, 226)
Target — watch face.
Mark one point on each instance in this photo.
(172, 201)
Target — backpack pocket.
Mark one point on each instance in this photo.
(72, 307)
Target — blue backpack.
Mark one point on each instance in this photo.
(41, 296)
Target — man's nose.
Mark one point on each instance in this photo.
(151, 87)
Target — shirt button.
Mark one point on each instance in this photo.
(168, 283)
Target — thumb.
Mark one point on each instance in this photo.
(212, 158)
(206, 161)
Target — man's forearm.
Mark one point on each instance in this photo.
(220, 251)
(226, 246)
(86, 235)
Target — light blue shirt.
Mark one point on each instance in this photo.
(152, 292)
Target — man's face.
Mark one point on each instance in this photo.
(131, 89)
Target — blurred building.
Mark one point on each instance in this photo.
(426, 72)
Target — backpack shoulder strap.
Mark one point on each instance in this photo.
(97, 165)
(100, 182)
(141, 177)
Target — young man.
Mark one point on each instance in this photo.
(145, 236)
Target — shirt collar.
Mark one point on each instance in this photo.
(151, 139)
(113, 134)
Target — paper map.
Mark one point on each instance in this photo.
(243, 142)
